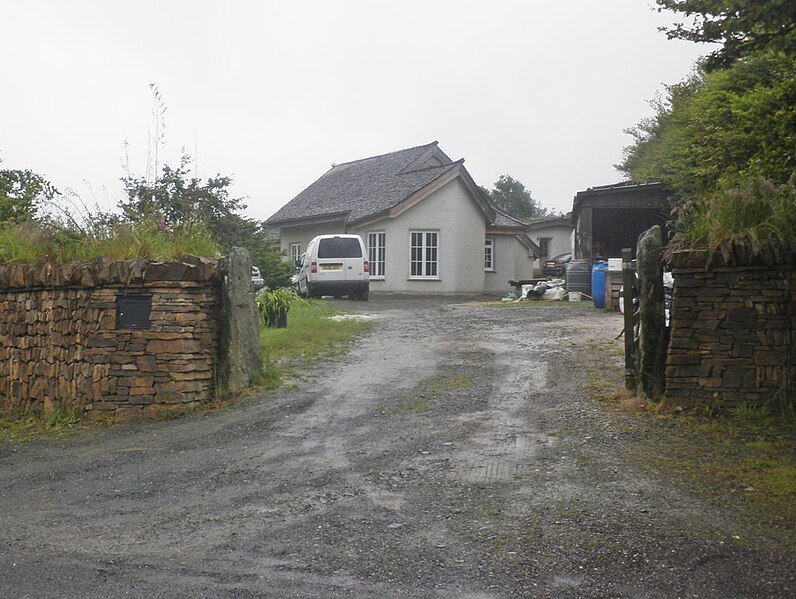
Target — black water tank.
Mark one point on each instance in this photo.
(579, 276)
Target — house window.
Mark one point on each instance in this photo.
(295, 252)
(423, 255)
(489, 254)
(544, 245)
(376, 253)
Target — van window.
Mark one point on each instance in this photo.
(339, 247)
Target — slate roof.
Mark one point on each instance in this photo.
(504, 220)
(367, 187)
(558, 219)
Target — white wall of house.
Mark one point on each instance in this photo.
(511, 262)
(306, 233)
(560, 240)
(460, 226)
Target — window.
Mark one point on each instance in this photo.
(544, 245)
(423, 255)
(489, 254)
(339, 247)
(376, 254)
(295, 252)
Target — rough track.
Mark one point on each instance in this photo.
(453, 452)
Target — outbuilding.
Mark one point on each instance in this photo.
(611, 217)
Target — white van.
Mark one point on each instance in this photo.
(334, 265)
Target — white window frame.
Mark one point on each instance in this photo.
(427, 266)
(489, 254)
(377, 254)
(295, 252)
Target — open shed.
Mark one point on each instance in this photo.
(611, 217)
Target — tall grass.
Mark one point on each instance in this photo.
(756, 209)
(36, 242)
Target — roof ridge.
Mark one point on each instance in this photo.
(433, 143)
(429, 168)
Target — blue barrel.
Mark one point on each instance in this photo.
(598, 284)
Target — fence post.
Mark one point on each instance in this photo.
(627, 299)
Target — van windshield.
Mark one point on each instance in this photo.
(339, 247)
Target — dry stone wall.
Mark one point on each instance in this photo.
(733, 328)
(116, 338)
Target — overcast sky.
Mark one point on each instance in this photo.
(273, 93)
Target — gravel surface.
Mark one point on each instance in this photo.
(454, 451)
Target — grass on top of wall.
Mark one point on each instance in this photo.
(310, 335)
(32, 243)
(757, 209)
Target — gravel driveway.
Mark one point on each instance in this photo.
(453, 452)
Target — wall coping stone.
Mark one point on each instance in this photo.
(737, 252)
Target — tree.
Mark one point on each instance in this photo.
(743, 27)
(718, 126)
(21, 191)
(176, 199)
(510, 196)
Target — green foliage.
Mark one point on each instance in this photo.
(743, 27)
(755, 209)
(510, 196)
(20, 193)
(271, 303)
(36, 242)
(723, 143)
(717, 127)
(58, 422)
(176, 199)
(274, 268)
(311, 336)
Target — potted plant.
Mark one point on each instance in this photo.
(274, 306)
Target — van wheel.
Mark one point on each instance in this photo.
(363, 295)
(310, 294)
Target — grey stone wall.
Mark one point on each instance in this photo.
(733, 327)
(64, 343)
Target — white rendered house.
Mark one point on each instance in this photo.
(427, 225)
